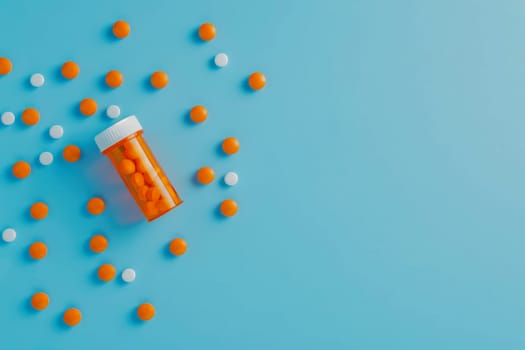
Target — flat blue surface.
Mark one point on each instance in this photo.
(381, 175)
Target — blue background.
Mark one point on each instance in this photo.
(381, 175)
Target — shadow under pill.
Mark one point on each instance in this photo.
(60, 324)
(26, 308)
(219, 151)
(217, 213)
(101, 82)
(245, 87)
(107, 35)
(75, 110)
(133, 319)
(146, 84)
(94, 278)
(195, 38)
(212, 65)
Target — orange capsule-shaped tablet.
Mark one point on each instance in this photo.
(207, 31)
(5, 66)
(153, 194)
(137, 179)
(205, 175)
(159, 80)
(146, 312)
(178, 246)
(88, 107)
(21, 169)
(39, 210)
(127, 166)
(30, 116)
(141, 192)
(140, 166)
(96, 206)
(40, 301)
(121, 29)
(229, 207)
(257, 81)
(114, 79)
(198, 114)
(71, 153)
(98, 243)
(230, 145)
(70, 70)
(106, 272)
(38, 250)
(72, 317)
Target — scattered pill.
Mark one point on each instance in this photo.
(88, 107)
(106, 272)
(40, 301)
(114, 79)
(21, 169)
(96, 206)
(5, 66)
(207, 31)
(39, 210)
(70, 70)
(72, 317)
(98, 243)
(257, 81)
(230, 145)
(121, 29)
(128, 275)
(30, 116)
(113, 111)
(8, 118)
(38, 250)
(145, 312)
(205, 175)
(71, 153)
(56, 132)
(9, 235)
(221, 60)
(231, 178)
(178, 246)
(229, 207)
(198, 114)
(159, 80)
(45, 158)
(37, 80)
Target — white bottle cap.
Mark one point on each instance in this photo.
(117, 132)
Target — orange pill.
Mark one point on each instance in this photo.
(30, 116)
(230, 145)
(38, 250)
(114, 79)
(141, 192)
(163, 205)
(140, 165)
(5, 66)
(229, 207)
(40, 301)
(71, 153)
(198, 114)
(207, 31)
(127, 166)
(72, 317)
(131, 152)
(205, 175)
(178, 246)
(121, 29)
(98, 243)
(21, 169)
(106, 272)
(96, 206)
(88, 107)
(70, 70)
(137, 179)
(153, 194)
(151, 208)
(257, 81)
(39, 210)
(159, 80)
(148, 178)
(145, 312)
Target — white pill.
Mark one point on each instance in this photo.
(8, 118)
(128, 275)
(231, 178)
(37, 80)
(221, 60)
(9, 235)
(45, 158)
(113, 111)
(56, 132)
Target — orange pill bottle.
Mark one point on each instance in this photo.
(131, 156)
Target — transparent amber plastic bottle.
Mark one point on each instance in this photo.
(131, 156)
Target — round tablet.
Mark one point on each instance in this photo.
(113, 111)
(221, 60)
(56, 131)
(45, 158)
(72, 317)
(9, 235)
(37, 80)
(178, 247)
(229, 207)
(231, 178)
(129, 275)
(257, 81)
(145, 312)
(5, 66)
(207, 31)
(8, 118)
